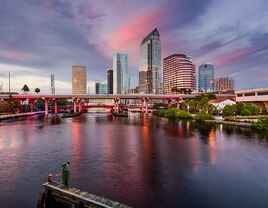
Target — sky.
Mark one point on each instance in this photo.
(43, 37)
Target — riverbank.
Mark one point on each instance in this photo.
(18, 115)
(230, 123)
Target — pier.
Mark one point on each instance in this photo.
(74, 198)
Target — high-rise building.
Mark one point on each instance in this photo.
(79, 80)
(206, 77)
(120, 73)
(179, 72)
(100, 88)
(110, 80)
(1, 86)
(223, 85)
(52, 84)
(150, 72)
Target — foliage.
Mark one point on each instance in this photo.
(10, 106)
(229, 110)
(202, 115)
(210, 96)
(174, 113)
(25, 88)
(243, 109)
(37, 90)
(160, 105)
(181, 90)
(261, 125)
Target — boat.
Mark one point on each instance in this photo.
(70, 115)
(120, 113)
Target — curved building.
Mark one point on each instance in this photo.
(206, 77)
(79, 80)
(179, 72)
(150, 73)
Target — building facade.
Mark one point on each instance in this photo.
(110, 81)
(100, 88)
(52, 84)
(120, 73)
(206, 77)
(79, 80)
(179, 72)
(150, 71)
(223, 85)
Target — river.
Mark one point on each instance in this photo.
(142, 161)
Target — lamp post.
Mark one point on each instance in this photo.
(9, 84)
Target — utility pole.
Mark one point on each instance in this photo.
(9, 84)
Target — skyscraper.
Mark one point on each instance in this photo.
(223, 85)
(110, 80)
(206, 77)
(120, 73)
(150, 73)
(52, 84)
(179, 72)
(79, 80)
(101, 88)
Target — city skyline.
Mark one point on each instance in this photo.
(42, 38)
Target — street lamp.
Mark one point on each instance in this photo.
(9, 84)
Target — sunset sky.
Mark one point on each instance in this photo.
(40, 37)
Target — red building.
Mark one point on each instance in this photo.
(179, 71)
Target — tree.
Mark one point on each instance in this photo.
(203, 105)
(25, 88)
(37, 90)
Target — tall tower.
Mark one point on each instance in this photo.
(150, 72)
(79, 80)
(110, 80)
(179, 72)
(206, 77)
(52, 84)
(120, 73)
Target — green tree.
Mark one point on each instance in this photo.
(25, 88)
(203, 105)
(37, 90)
(229, 110)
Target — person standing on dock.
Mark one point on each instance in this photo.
(65, 174)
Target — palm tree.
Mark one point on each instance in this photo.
(37, 90)
(25, 88)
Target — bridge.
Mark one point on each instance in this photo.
(80, 99)
(258, 96)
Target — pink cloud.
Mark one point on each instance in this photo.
(12, 54)
(127, 37)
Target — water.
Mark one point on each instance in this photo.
(141, 161)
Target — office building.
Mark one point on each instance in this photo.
(206, 77)
(110, 81)
(223, 85)
(179, 72)
(79, 80)
(101, 88)
(150, 72)
(120, 73)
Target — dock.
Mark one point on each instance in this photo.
(72, 197)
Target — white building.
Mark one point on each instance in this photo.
(220, 103)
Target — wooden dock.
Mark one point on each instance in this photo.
(72, 197)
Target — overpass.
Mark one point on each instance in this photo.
(258, 96)
(79, 99)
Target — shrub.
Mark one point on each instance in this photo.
(201, 116)
(173, 113)
(261, 125)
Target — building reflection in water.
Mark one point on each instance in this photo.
(212, 148)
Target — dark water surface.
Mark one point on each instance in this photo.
(141, 161)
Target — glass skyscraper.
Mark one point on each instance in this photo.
(150, 72)
(110, 81)
(120, 73)
(206, 77)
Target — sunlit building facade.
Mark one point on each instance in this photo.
(206, 77)
(150, 71)
(179, 72)
(120, 73)
(223, 85)
(79, 80)
(110, 81)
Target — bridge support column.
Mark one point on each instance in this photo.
(146, 105)
(55, 105)
(79, 106)
(142, 105)
(116, 104)
(74, 101)
(46, 105)
(169, 103)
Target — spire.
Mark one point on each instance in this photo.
(153, 33)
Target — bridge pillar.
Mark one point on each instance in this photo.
(79, 106)
(116, 104)
(146, 105)
(46, 105)
(55, 105)
(74, 101)
(169, 103)
(142, 105)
